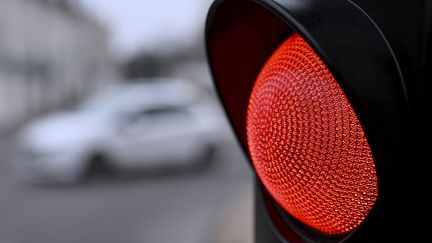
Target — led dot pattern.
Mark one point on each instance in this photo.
(307, 144)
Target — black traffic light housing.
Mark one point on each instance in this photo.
(373, 63)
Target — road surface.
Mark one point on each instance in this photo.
(195, 206)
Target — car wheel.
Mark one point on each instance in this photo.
(207, 156)
(98, 165)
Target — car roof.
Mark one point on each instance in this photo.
(155, 93)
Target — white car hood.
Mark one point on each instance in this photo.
(63, 130)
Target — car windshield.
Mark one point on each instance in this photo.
(121, 98)
(100, 102)
(109, 101)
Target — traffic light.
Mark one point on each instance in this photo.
(326, 100)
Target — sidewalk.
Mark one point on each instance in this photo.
(236, 224)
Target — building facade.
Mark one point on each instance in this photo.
(50, 53)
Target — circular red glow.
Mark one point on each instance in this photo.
(306, 143)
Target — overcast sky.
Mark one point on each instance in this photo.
(149, 24)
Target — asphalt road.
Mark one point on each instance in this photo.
(191, 206)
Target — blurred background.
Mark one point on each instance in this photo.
(110, 129)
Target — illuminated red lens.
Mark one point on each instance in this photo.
(306, 143)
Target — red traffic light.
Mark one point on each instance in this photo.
(306, 143)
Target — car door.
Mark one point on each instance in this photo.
(158, 136)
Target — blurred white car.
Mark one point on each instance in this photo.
(128, 126)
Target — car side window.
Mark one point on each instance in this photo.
(157, 114)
